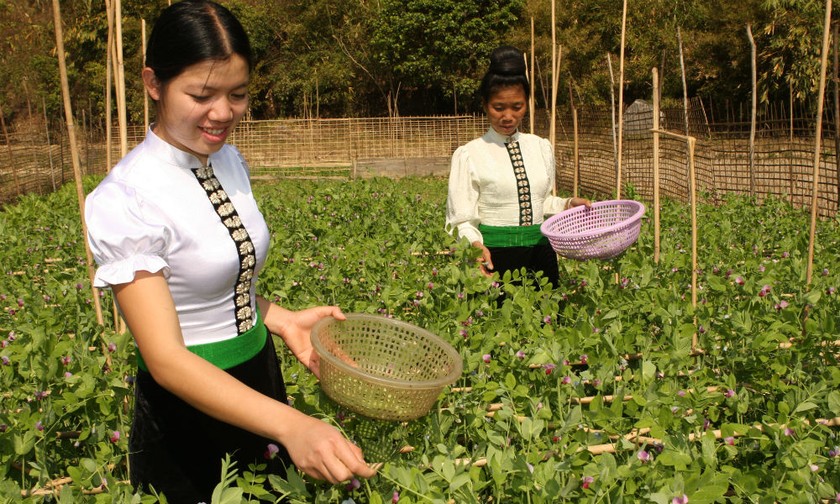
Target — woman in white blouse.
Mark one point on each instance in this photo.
(177, 235)
(500, 185)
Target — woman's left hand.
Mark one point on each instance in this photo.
(573, 202)
(295, 328)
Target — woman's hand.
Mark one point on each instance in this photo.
(295, 327)
(321, 451)
(573, 202)
(485, 262)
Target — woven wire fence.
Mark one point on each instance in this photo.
(780, 162)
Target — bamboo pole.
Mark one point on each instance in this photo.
(612, 113)
(532, 101)
(49, 146)
(576, 162)
(120, 79)
(71, 132)
(621, 102)
(109, 7)
(835, 72)
(754, 93)
(817, 140)
(656, 225)
(552, 129)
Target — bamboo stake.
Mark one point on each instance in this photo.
(551, 126)
(836, 70)
(49, 146)
(71, 132)
(753, 110)
(818, 138)
(120, 79)
(613, 113)
(9, 148)
(576, 162)
(656, 225)
(108, 76)
(621, 102)
(532, 101)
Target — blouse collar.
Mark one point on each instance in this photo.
(171, 154)
(496, 137)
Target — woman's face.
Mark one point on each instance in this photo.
(198, 109)
(506, 108)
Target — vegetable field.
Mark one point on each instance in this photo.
(593, 391)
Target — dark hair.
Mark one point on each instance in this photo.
(507, 68)
(192, 31)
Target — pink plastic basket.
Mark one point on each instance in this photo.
(600, 232)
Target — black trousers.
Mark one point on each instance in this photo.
(533, 259)
(178, 450)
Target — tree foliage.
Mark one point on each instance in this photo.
(374, 57)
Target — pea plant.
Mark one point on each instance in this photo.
(610, 387)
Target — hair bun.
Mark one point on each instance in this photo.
(507, 60)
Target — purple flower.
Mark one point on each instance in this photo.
(729, 393)
(354, 484)
(761, 268)
(566, 380)
(764, 291)
(781, 305)
(20, 302)
(463, 333)
(5, 360)
(834, 452)
(486, 358)
(830, 291)
(549, 368)
(395, 498)
(112, 347)
(825, 272)
(271, 451)
(730, 440)
(520, 355)
(66, 360)
(683, 499)
(681, 393)
(788, 431)
(643, 456)
(115, 436)
(39, 426)
(430, 285)
(586, 481)
(584, 359)
(547, 319)
(739, 280)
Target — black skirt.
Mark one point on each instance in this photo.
(177, 450)
(535, 258)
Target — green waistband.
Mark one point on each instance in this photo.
(228, 353)
(512, 236)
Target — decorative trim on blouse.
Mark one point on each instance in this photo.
(526, 216)
(244, 246)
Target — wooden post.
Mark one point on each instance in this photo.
(109, 7)
(817, 140)
(753, 112)
(576, 162)
(552, 133)
(656, 106)
(836, 70)
(621, 102)
(49, 143)
(533, 101)
(71, 133)
(120, 79)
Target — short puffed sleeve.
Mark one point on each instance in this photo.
(126, 234)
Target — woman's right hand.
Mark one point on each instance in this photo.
(485, 262)
(322, 452)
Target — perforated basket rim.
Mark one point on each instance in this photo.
(572, 213)
(358, 373)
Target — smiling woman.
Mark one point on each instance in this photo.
(178, 237)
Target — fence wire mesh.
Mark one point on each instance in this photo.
(780, 161)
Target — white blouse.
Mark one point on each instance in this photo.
(151, 214)
(483, 188)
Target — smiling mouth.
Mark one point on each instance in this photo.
(214, 131)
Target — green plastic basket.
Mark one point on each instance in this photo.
(383, 368)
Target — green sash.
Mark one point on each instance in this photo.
(512, 236)
(228, 353)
